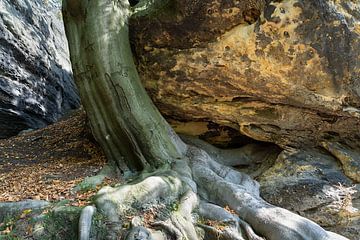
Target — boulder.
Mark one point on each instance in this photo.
(289, 76)
(312, 184)
(36, 85)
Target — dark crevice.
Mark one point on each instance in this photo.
(133, 2)
(242, 99)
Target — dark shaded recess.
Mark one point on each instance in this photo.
(236, 138)
(11, 123)
(251, 15)
(133, 2)
(269, 10)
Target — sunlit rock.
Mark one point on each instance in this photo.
(36, 86)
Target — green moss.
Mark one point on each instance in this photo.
(9, 237)
(56, 222)
(8, 224)
(90, 183)
(164, 9)
(100, 227)
(174, 206)
(60, 223)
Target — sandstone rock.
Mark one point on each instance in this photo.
(311, 183)
(349, 159)
(291, 77)
(36, 86)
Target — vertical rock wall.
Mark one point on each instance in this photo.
(36, 86)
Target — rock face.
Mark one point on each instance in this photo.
(36, 86)
(311, 183)
(291, 77)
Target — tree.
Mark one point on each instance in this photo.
(195, 175)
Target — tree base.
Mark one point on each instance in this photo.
(195, 198)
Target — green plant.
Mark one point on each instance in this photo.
(61, 223)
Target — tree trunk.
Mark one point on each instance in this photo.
(123, 119)
(187, 178)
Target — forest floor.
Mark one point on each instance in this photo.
(47, 164)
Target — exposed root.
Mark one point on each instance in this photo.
(219, 223)
(251, 235)
(200, 176)
(242, 195)
(217, 213)
(225, 233)
(137, 233)
(228, 157)
(182, 218)
(116, 203)
(85, 222)
(169, 228)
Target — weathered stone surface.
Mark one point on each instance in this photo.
(349, 158)
(311, 183)
(291, 78)
(36, 86)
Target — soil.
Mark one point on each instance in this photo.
(46, 164)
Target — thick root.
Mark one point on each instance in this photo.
(115, 201)
(220, 233)
(243, 156)
(228, 187)
(197, 177)
(167, 186)
(85, 222)
(233, 223)
(139, 232)
(182, 218)
(169, 228)
(249, 231)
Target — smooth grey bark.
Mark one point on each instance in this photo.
(85, 222)
(123, 119)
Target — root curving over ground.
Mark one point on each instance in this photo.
(212, 201)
